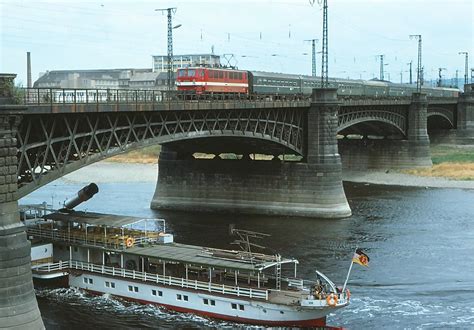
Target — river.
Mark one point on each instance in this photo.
(420, 242)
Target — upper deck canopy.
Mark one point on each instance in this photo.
(185, 254)
(98, 219)
(204, 256)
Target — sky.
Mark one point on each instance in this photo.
(265, 35)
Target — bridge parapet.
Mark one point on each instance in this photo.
(56, 100)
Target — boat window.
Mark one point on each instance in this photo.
(91, 281)
(112, 285)
(213, 302)
(153, 292)
(205, 301)
(130, 288)
(241, 307)
(185, 298)
(178, 296)
(107, 284)
(135, 288)
(85, 280)
(234, 306)
(160, 293)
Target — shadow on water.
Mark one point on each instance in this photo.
(420, 242)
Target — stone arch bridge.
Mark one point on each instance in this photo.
(58, 131)
(64, 130)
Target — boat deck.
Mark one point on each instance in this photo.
(285, 297)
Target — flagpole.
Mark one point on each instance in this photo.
(347, 278)
(348, 273)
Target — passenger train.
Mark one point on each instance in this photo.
(202, 80)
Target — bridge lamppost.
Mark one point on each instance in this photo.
(313, 53)
(170, 12)
(466, 66)
(381, 57)
(419, 73)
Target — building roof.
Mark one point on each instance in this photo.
(144, 76)
(213, 55)
(163, 75)
(95, 74)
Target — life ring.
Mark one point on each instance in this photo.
(331, 300)
(129, 242)
(348, 294)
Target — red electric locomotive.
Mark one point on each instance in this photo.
(212, 80)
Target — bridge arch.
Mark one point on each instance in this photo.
(353, 117)
(53, 145)
(440, 118)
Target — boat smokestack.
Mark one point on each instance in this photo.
(82, 195)
(28, 70)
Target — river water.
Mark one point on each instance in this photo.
(420, 242)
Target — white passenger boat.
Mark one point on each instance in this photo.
(135, 259)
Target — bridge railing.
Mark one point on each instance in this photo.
(55, 96)
(48, 96)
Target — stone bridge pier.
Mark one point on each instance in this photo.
(412, 151)
(465, 118)
(310, 188)
(18, 307)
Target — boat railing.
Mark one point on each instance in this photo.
(94, 240)
(331, 299)
(154, 278)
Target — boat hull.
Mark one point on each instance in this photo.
(251, 311)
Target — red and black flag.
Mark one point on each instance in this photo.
(361, 258)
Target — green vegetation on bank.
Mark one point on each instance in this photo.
(452, 162)
(147, 155)
(452, 154)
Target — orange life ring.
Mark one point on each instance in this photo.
(331, 300)
(129, 242)
(348, 294)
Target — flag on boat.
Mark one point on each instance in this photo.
(361, 258)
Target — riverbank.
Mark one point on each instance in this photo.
(112, 172)
(394, 178)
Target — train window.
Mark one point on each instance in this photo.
(221, 75)
(191, 73)
(201, 73)
(240, 75)
(231, 75)
(181, 73)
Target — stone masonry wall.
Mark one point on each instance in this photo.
(18, 307)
